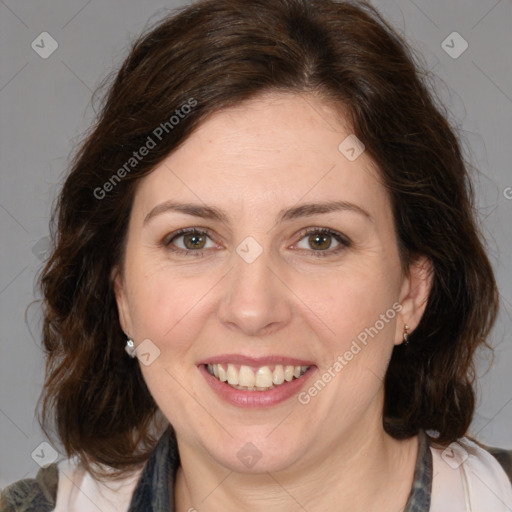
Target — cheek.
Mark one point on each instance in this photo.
(168, 307)
(360, 315)
(351, 303)
(147, 295)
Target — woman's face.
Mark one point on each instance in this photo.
(289, 260)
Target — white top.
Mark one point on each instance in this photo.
(466, 478)
(78, 491)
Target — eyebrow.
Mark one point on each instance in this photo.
(296, 212)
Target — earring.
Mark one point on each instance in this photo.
(406, 335)
(130, 348)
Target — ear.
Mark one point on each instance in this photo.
(119, 287)
(414, 294)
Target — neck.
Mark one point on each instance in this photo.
(361, 472)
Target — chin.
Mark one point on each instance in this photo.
(257, 449)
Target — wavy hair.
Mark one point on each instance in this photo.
(219, 53)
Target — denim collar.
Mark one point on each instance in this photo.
(419, 498)
(153, 493)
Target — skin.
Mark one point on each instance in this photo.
(272, 153)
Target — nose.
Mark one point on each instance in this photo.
(255, 300)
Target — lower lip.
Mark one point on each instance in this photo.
(260, 399)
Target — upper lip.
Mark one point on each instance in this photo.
(255, 361)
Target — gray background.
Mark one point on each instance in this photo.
(45, 107)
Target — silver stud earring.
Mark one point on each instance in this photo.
(130, 348)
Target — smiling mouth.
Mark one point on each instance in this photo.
(262, 378)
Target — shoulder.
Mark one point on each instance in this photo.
(66, 487)
(469, 477)
(32, 494)
(504, 457)
(78, 488)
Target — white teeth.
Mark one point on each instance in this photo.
(288, 373)
(252, 379)
(278, 376)
(222, 373)
(232, 375)
(246, 377)
(263, 377)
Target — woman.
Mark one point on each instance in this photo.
(267, 286)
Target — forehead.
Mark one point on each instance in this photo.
(265, 153)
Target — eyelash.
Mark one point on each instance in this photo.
(341, 239)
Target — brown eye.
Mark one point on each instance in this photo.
(320, 241)
(194, 241)
(190, 241)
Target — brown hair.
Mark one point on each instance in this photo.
(212, 55)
